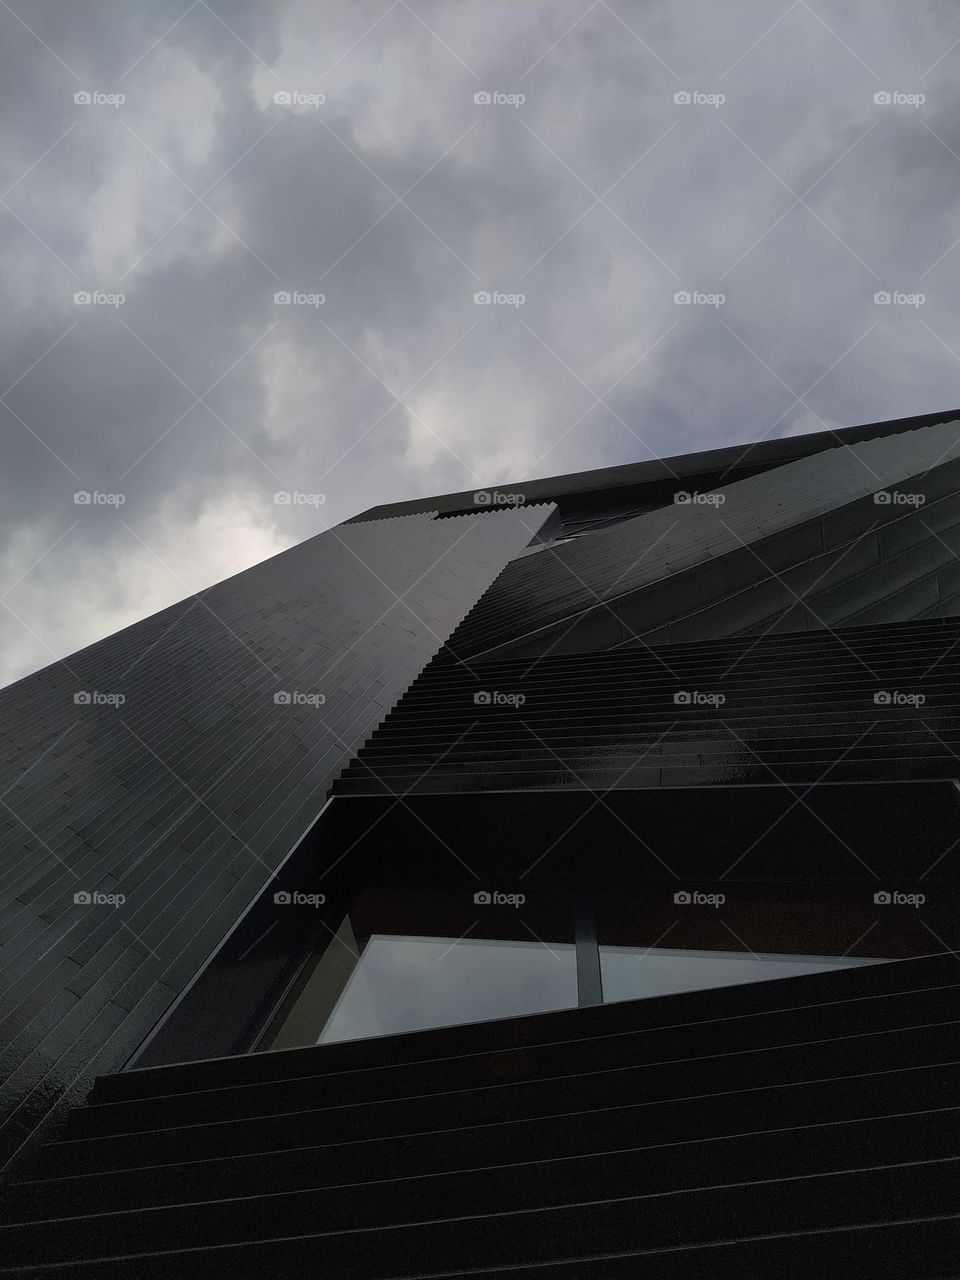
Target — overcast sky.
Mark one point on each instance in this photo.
(782, 186)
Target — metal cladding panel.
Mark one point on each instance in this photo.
(798, 1127)
(239, 705)
(566, 581)
(865, 704)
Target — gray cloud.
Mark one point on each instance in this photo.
(598, 199)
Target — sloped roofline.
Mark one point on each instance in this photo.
(734, 462)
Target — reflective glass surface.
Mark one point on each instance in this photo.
(404, 983)
(633, 973)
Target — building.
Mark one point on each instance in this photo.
(554, 881)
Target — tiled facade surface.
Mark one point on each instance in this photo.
(185, 796)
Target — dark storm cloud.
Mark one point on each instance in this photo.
(598, 199)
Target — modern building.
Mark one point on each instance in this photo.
(557, 881)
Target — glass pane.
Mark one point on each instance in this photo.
(405, 983)
(633, 973)
(408, 956)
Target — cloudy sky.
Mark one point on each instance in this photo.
(182, 197)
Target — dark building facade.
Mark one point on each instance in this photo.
(560, 880)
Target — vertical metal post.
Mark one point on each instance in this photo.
(589, 986)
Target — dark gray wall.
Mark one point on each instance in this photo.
(637, 576)
(790, 1128)
(797, 709)
(186, 797)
